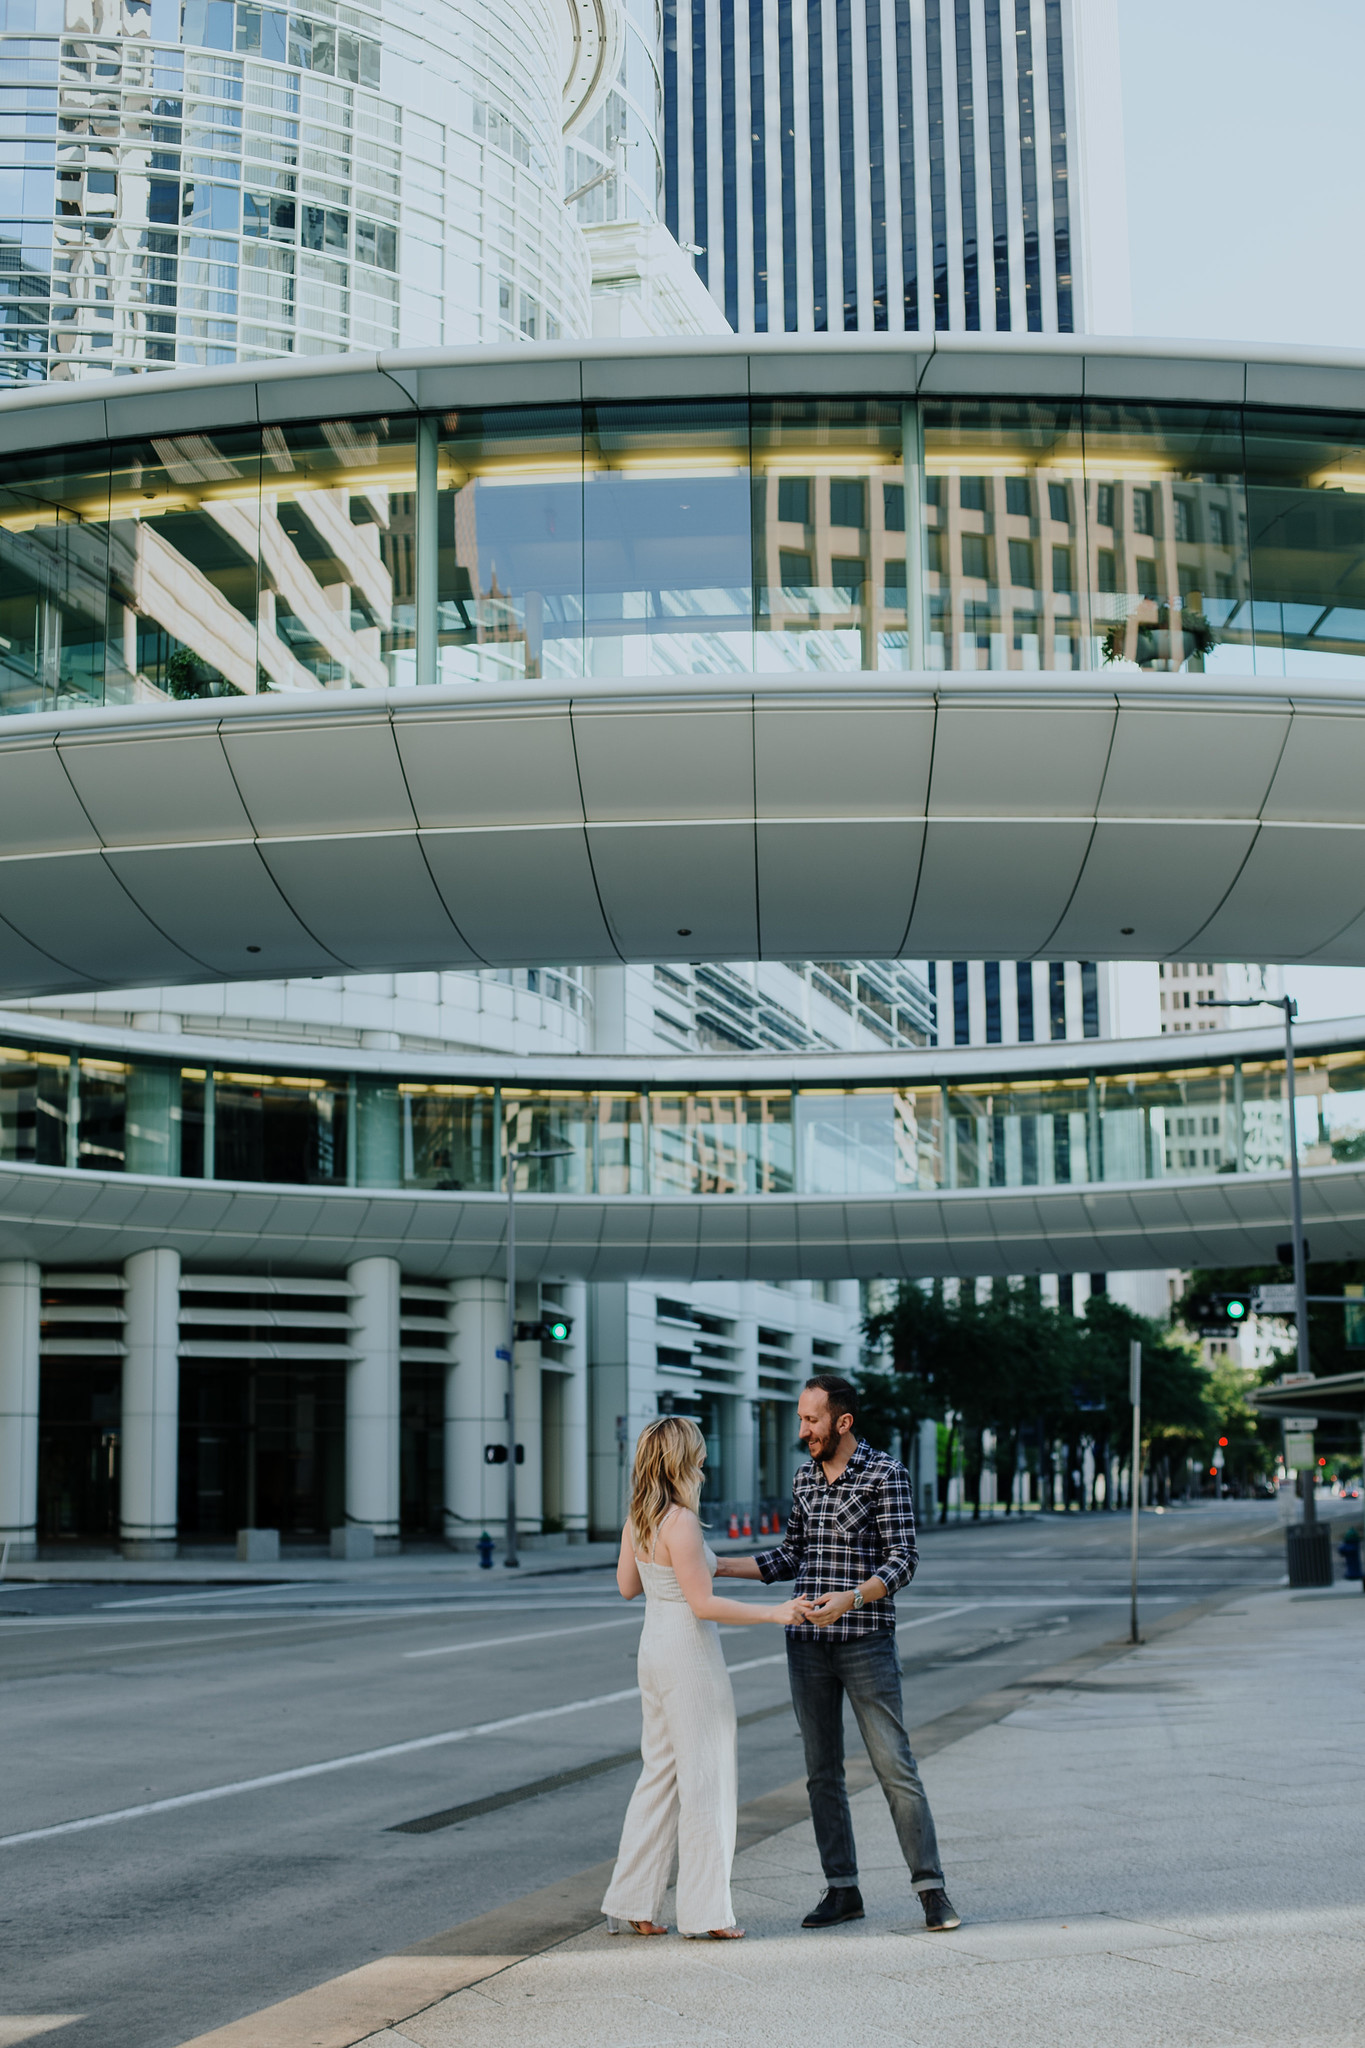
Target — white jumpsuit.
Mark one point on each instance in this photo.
(688, 1790)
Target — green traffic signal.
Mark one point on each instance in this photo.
(1236, 1309)
(557, 1332)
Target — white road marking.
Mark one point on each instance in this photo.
(335, 1763)
(540, 1635)
(253, 1592)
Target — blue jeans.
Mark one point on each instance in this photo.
(868, 1671)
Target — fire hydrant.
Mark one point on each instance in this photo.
(485, 1548)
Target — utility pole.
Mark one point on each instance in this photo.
(1291, 1010)
(1135, 1474)
(514, 1159)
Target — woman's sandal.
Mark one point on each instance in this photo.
(717, 1934)
(615, 1926)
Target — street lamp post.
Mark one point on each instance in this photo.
(1291, 1011)
(514, 1157)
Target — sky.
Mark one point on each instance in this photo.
(1242, 134)
(1246, 203)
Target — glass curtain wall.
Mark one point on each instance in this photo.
(97, 1114)
(802, 535)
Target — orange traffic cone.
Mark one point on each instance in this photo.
(734, 1525)
(748, 1528)
(763, 1524)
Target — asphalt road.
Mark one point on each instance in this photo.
(158, 1925)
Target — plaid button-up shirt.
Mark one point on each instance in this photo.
(862, 1527)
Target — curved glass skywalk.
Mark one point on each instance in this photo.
(725, 512)
(1083, 1122)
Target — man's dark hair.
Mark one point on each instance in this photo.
(841, 1394)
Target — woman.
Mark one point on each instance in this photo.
(688, 1789)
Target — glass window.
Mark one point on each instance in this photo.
(510, 537)
(279, 1127)
(1154, 1126)
(54, 579)
(1030, 1135)
(867, 1141)
(847, 501)
(847, 612)
(1005, 456)
(424, 1134)
(668, 588)
(727, 1143)
(1306, 518)
(1330, 1109)
(549, 1120)
(338, 514)
(1170, 589)
(618, 1144)
(793, 499)
(36, 1090)
(184, 577)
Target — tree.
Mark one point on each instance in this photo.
(1025, 1372)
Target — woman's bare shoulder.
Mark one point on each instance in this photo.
(678, 1526)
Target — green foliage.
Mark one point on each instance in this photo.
(1011, 1364)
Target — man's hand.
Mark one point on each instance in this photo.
(829, 1607)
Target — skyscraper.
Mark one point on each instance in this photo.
(212, 182)
(879, 166)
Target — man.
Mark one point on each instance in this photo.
(850, 1544)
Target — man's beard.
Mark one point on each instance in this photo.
(820, 1447)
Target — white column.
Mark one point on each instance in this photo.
(476, 1386)
(20, 1313)
(148, 1447)
(573, 1477)
(530, 1505)
(372, 1400)
(611, 1428)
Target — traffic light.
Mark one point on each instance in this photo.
(1222, 1443)
(546, 1330)
(1235, 1308)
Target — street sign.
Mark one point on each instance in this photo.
(1298, 1447)
(1276, 1300)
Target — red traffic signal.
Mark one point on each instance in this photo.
(1222, 1443)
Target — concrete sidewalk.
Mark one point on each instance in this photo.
(1167, 1851)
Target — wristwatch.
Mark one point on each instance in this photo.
(857, 1599)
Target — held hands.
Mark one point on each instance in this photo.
(788, 1612)
(829, 1607)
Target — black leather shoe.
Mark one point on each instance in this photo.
(939, 1916)
(841, 1902)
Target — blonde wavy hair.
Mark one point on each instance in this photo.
(668, 1470)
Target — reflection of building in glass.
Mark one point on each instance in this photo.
(713, 536)
(223, 182)
(892, 168)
